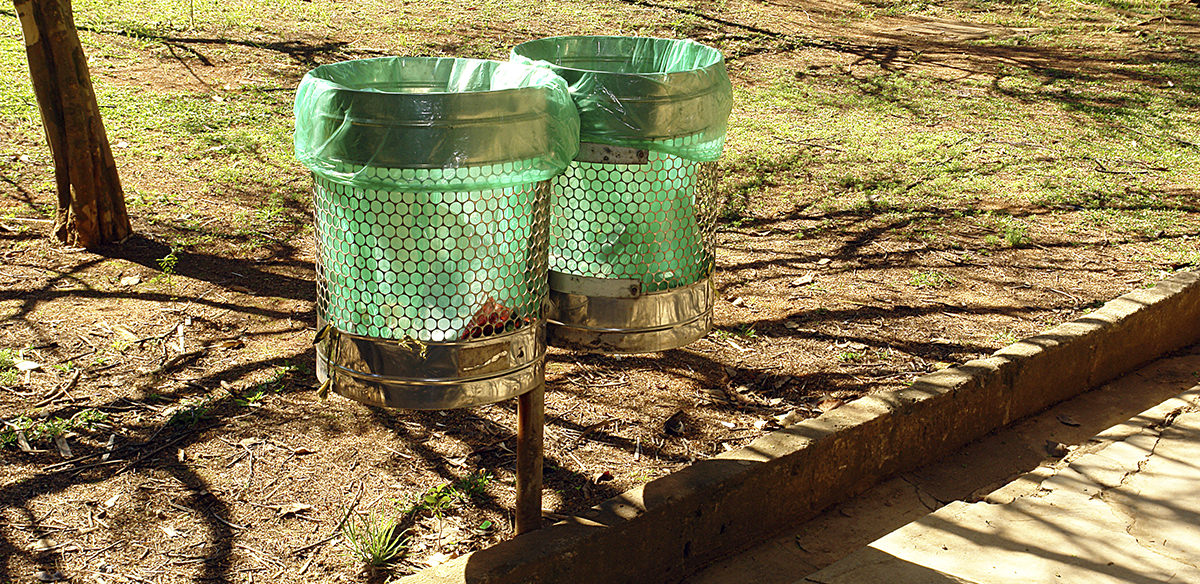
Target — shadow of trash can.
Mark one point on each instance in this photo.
(633, 217)
(431, 198)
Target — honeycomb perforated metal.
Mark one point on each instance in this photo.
(430, 265)
(434, 299)
(631, 252)
(652, 222)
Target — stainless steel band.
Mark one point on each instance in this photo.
(588, 316)
(430, 376)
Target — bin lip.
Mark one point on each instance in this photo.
(317, 74)
(716, 57)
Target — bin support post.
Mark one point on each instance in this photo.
(531, 419)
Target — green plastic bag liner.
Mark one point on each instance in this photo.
(431, 206)
(634, 214)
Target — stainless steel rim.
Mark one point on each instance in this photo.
(432, 376)
(627, 323)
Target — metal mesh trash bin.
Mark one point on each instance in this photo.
(632, 218)
(431, 201)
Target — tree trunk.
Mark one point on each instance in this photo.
(91, 205)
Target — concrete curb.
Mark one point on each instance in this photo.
(668, 528)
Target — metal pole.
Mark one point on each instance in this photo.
(531, 419)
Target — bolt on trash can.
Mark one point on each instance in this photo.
(632, 218)
(431, 199)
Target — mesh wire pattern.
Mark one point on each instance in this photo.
(653, 222)
(431, 265)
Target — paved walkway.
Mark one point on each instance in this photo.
(1125, 510)
(1122, 506)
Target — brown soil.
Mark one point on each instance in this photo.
(207, 482)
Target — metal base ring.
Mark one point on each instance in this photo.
(432, 376)
(627, 324)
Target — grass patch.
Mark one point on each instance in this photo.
(38, 431)
(374, 539)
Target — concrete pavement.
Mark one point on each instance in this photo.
(1124, 509)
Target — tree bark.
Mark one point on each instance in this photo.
(91, 204)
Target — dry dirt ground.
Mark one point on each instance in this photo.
(181, 379)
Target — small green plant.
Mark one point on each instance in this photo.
(437, 500)
(1015, 235)
(1007, 337)
(191, 412)
(375, 540)
(251, 398)
(166, 266)
(275, 384)
(474, 484)
(9, 374)
(46, 430)
(851, 356)
(747, 331)
(930, 279)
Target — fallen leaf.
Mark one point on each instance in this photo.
(801, 281)
(823, 261)
(125, 333)
(792, 325)
(60, 442)
(121, 144)
(301, 451)
(676, 424)
(43, 544)
(23, 442)
(112, 500)
(439, 559)
(108, 447)
(43, 576)
(171, 531)
(130, 280)
(1057, 449)
(789, 418)
(830, 403)
(729, 425)
(227, 344)
(760, 424)
(248, 442)
(26, 365)
(293, 509)
(738, 301)
(716, 394)
(1068, 420)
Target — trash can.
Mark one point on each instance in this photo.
(633, 216)
(431, 199)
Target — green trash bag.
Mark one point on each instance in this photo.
(665, 95)
(431, 210)
(641, 222)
